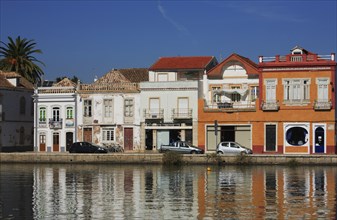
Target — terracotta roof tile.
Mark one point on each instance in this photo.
(65, 83)
(167, 63)
(124, 75)
(23, 82)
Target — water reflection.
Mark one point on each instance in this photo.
(156, 192)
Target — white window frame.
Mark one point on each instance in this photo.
(270, 85)
(87, 108)
(108, 108)
(128, 107)
(69, 112)
(108, 134)
(296, 90)
(42, 114)
(322, 89)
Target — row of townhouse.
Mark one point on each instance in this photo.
(282, 105)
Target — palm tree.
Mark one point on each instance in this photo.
(18, 56)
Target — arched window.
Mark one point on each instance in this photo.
(22, 105)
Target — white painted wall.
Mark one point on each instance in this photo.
(13, 120)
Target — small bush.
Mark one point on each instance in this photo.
(172, 158)
(292, 163)
(243, 159)
(213, 157)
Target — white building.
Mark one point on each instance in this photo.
(170, 100)
(108, 109)
(55, 117)
(16, 113)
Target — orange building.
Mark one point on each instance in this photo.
(283, 104)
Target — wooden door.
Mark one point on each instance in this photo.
(87, 135)
(56, 142)
(42, 140)
(128, 138)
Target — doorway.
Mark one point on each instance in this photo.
(56, 142)
(87, 135)
(69, 140)
(42, 141)
(128, 138)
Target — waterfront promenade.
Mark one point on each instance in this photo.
(157, 158)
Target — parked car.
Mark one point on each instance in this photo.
(229, 147)
(86, 147)
(181, 147)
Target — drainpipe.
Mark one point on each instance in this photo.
(35, 100)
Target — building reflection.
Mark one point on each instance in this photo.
(127, 192)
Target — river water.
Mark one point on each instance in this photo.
(43, 191)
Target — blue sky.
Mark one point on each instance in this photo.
(88, 38)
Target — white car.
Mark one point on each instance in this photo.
(229, 147)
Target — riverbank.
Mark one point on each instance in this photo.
(156, 158)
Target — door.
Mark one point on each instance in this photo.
(42, 140)
(87, 135)
(56, 142)
(69, 140)
(270, 137)
(128, 138)
(319, 138)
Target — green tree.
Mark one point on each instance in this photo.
(18, 56)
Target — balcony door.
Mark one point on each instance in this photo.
(56, 114)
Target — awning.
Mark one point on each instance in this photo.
(242, 92)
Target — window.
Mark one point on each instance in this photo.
(322, 89)
(162, 77)
(22, 105)
(270, 90)
(215, 96)
(128, 107)
(297, 136)
(56, 114)
(42, 114)
(296, 90)
(108, 134)
(235, 97)
(108, 108)
(87, 108)
(254, 92)
(70, 113)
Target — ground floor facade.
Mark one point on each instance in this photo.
(272, 137)
(153, 135)
(126, 136)
(50, 140)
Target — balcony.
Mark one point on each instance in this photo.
(241, 106)
(322, 105)
(154, 113)
(182, 113)
(42, 123)
(270, 105)
(55, 124)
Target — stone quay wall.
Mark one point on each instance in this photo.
(156, 158)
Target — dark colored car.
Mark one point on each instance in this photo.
(86, 147)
